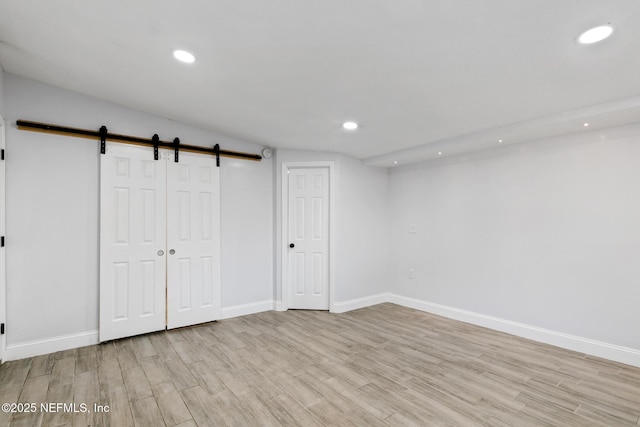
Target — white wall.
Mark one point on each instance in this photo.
(247, 230)
(361, 229)
(546, 234)
(1, 92)
(53, 212)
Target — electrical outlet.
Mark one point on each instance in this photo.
(412, 273)
(413, 228)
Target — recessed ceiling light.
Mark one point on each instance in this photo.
(395, 162)
(586, 125)
(439, 153)
(184, 56)
(350, 125)
(594, 35)
(500, 141)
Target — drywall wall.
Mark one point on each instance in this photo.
(362, 230)
(247, 231)
(53, 212)
(543, 233)
(361, 224)
(1, 92)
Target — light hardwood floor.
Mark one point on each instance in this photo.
(379, 366)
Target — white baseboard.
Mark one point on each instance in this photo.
(50, 345)
(279, 306)
(613, 352)
(354, 304)
(245, 309)
(605, 350)
(67, 342)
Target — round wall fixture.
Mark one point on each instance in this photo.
(267, 152)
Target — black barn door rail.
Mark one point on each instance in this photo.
(134, 140)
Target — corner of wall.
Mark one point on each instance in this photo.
(629, 356)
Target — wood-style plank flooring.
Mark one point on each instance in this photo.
(380, 366)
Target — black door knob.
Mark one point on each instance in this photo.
(291, 245)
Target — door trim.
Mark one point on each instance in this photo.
(284, 284)
(3, 264)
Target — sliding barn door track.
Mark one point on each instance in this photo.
(103, 135)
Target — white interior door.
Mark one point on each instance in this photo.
(193, 215)
(132, 242)
(308, 231)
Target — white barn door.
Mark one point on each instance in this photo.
(132, 242)
(308, 231)
(193, 217)
(159, 241)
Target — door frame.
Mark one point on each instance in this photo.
(285, 283)
(3, 264)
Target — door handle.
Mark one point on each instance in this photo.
(172, 251)
(160, 252)
(291, 245)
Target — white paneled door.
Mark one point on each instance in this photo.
(132, 242)
(308, 231)
(193, 208)
(159, 241)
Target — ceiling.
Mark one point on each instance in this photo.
(421, 77)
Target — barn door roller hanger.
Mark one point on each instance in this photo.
(155, 142)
